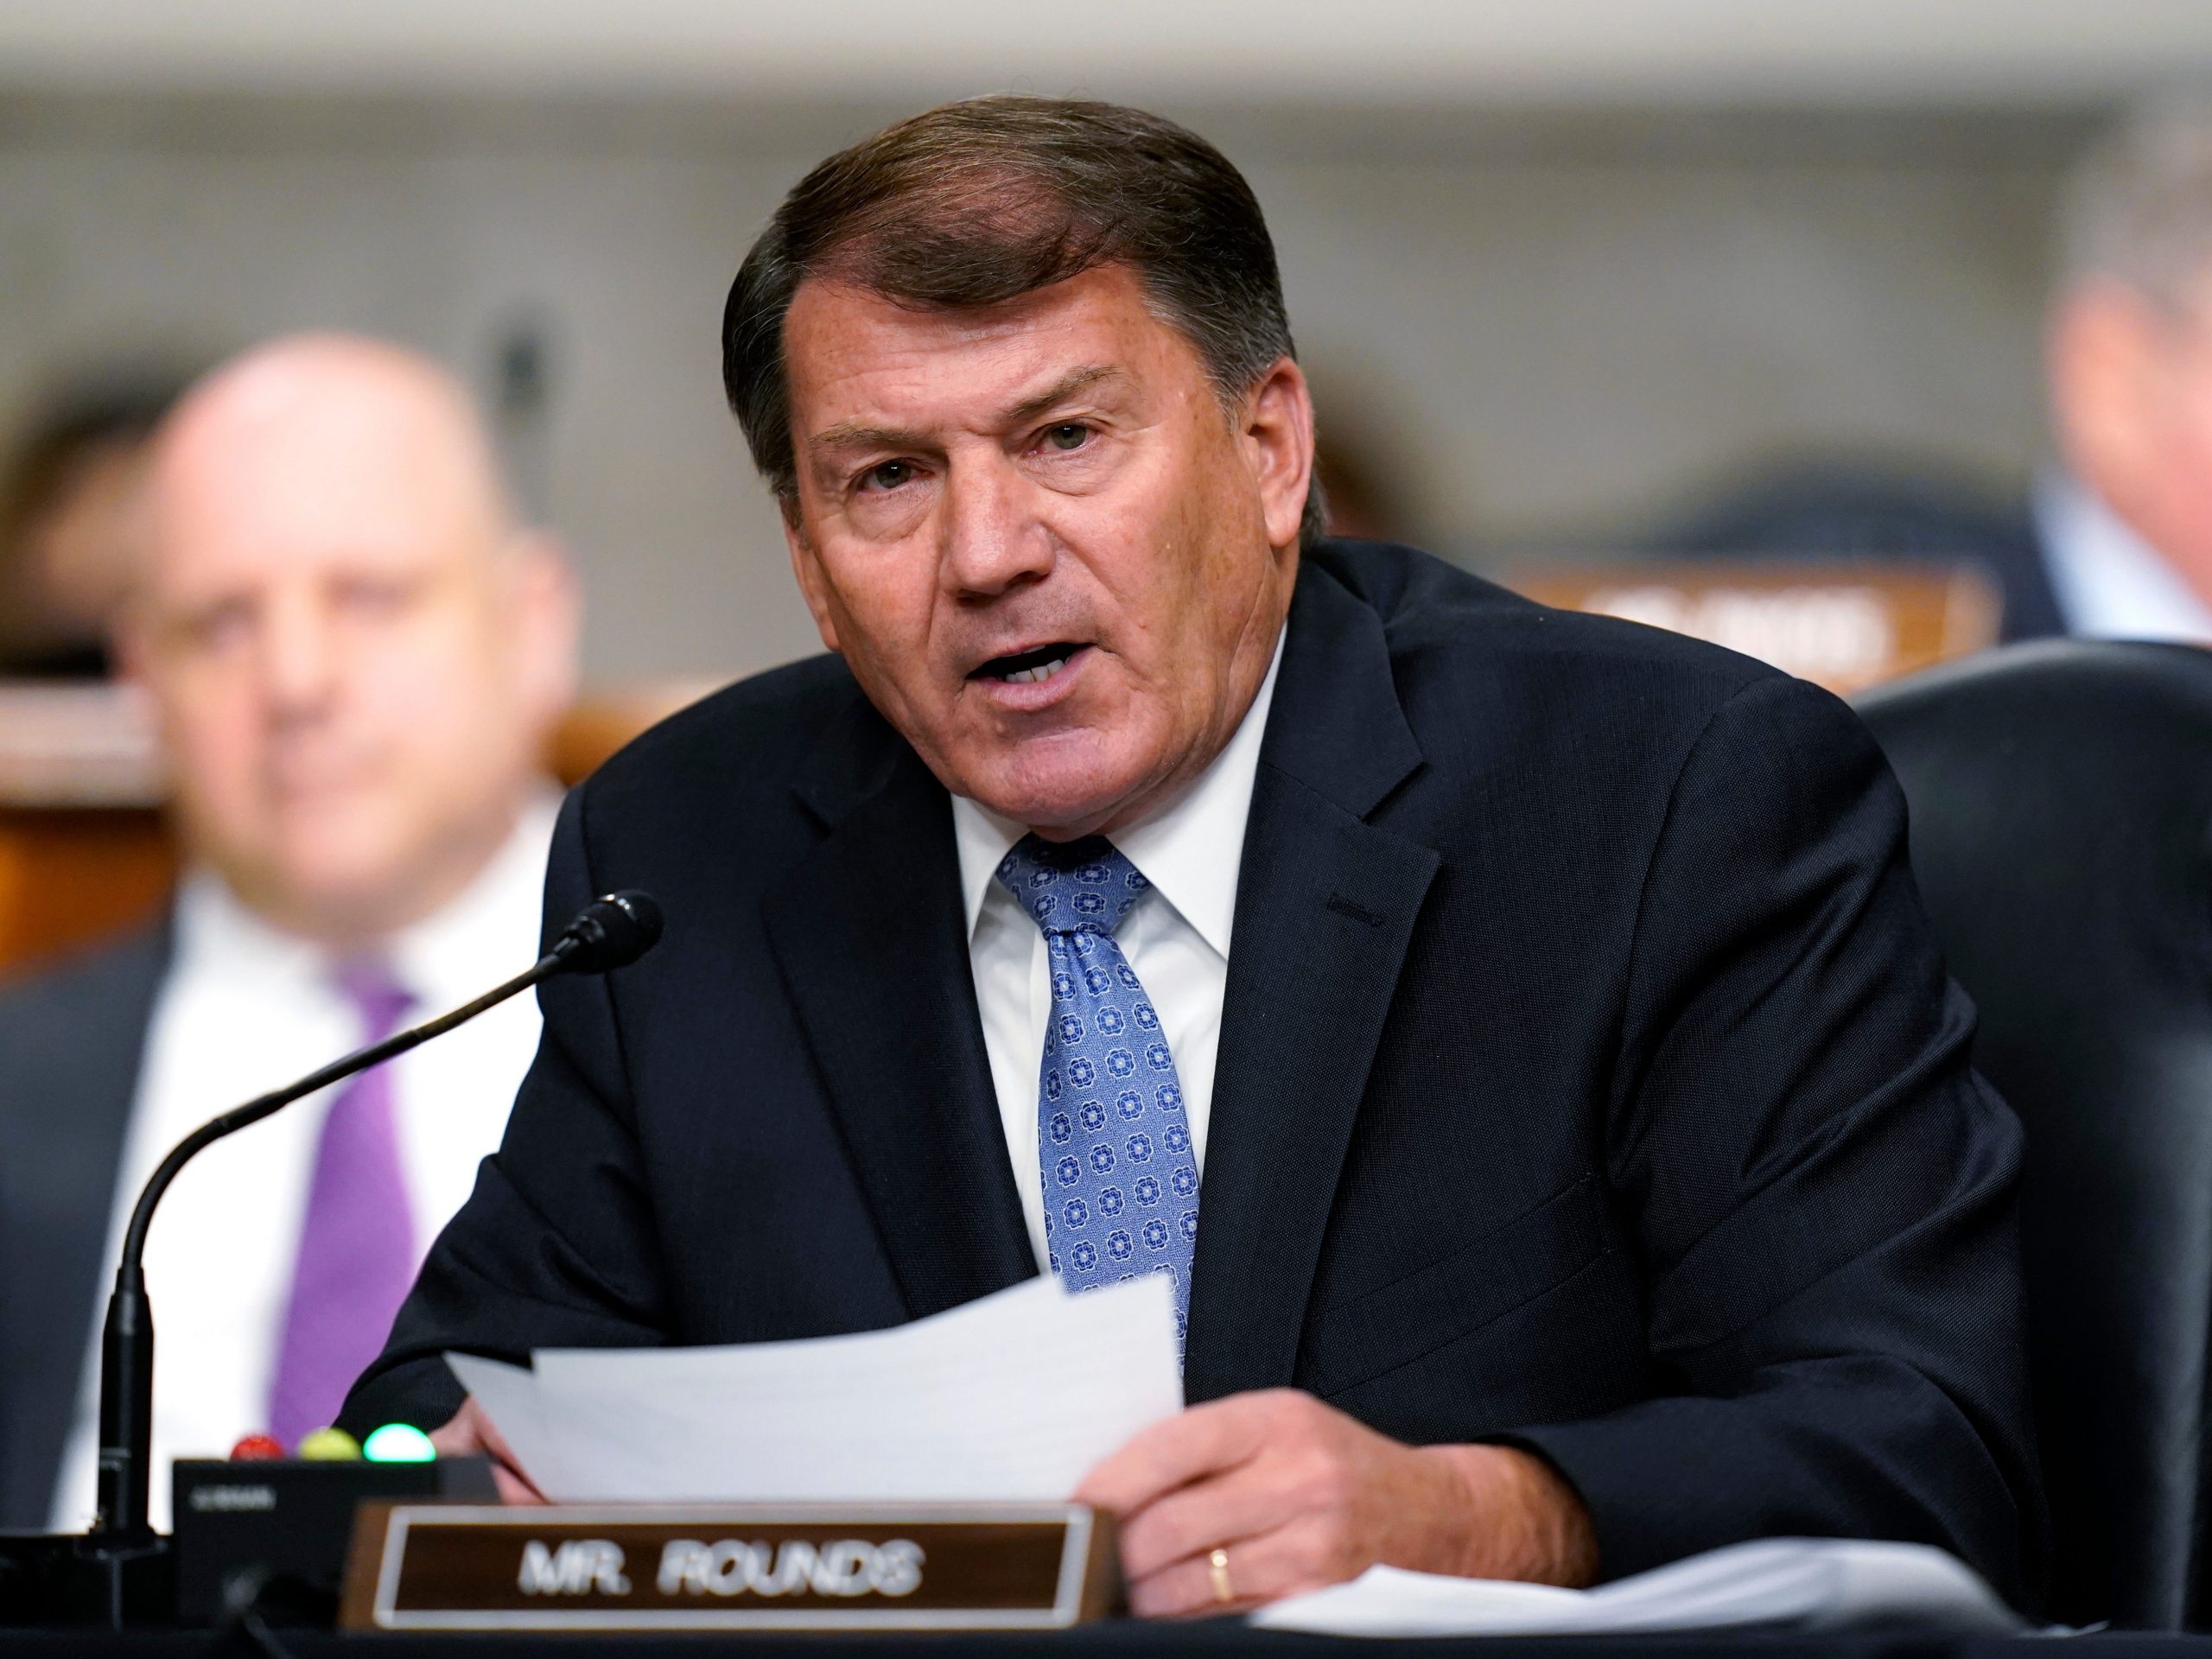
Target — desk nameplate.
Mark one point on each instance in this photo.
(722, 1566)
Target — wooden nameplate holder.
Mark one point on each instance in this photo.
(720, 1566)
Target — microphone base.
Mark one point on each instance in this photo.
(100, 1580)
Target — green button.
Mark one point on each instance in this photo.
(399, 1443)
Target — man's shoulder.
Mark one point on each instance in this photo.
(107, 983)
(1579, 720)
(1446, 626)
(742, 757)
(762, 728)
(74, 1029)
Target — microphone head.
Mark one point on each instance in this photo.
(612, 931)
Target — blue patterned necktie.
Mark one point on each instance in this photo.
(1121, 1176)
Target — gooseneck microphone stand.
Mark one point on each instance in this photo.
(124, 1554)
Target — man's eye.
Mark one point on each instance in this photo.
(887, 475)
(219, 628)
(1068, 435)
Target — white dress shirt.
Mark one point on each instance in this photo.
(1176, 938)
(242, 1009)
(2110, 584)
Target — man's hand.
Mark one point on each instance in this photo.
(468, 1433)
(1299, 1496)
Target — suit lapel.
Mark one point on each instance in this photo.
(867, 930)
(1326, 905)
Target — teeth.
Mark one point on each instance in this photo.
(1042, 672)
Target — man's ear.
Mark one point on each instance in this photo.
(813, 586)
(129, 640)
(2104, 360)
(547, 622)
(129, 623)
(1278, 436)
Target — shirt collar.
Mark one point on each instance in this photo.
(487, 934)
(1192, 852)
(2111, 583)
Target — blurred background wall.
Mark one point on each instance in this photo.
(1554, 270)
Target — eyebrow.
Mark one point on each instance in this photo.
(1074, 381)
(857, 435)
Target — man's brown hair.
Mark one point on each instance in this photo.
(975, 203)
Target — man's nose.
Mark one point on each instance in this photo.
(297, 665)
(993, 537)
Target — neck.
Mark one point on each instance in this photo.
(354, 920)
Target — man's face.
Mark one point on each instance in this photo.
(1051, 558)
(2181, 480)
(352, 673)
(2132, 388)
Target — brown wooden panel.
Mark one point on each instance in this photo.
(71, 875)
(605, 721)
(1844, 624)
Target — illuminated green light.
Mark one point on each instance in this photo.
(399, 1443)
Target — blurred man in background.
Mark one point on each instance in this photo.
(2124, 526)
(70, 520)
(2116, 539)
(355, 657)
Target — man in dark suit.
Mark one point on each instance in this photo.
(354, 657)
(1592, 1171)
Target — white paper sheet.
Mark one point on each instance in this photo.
(1801, 1584)
(1014, 1396)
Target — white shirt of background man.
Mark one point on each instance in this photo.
(1176, 938)
(2112, 584)
(245, 1009)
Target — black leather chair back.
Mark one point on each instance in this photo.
(2060, 798)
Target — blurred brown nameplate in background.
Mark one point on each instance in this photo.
(83, 851)
(1004, 1566)
(1842, 623)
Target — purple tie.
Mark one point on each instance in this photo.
(357, 1244)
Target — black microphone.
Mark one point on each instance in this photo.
(609, 932)
(612, 931)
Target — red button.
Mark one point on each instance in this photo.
(257, 1448)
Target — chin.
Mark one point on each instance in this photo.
(349, 887)
(341, 905)
(1068, 792)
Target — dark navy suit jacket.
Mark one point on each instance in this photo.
(70, 1047)
(1589, 1079)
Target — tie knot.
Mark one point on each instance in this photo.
(378, 999)
(1076, 887)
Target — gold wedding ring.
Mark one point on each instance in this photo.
(1217, 1570)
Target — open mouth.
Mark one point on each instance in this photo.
(1026, 667)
